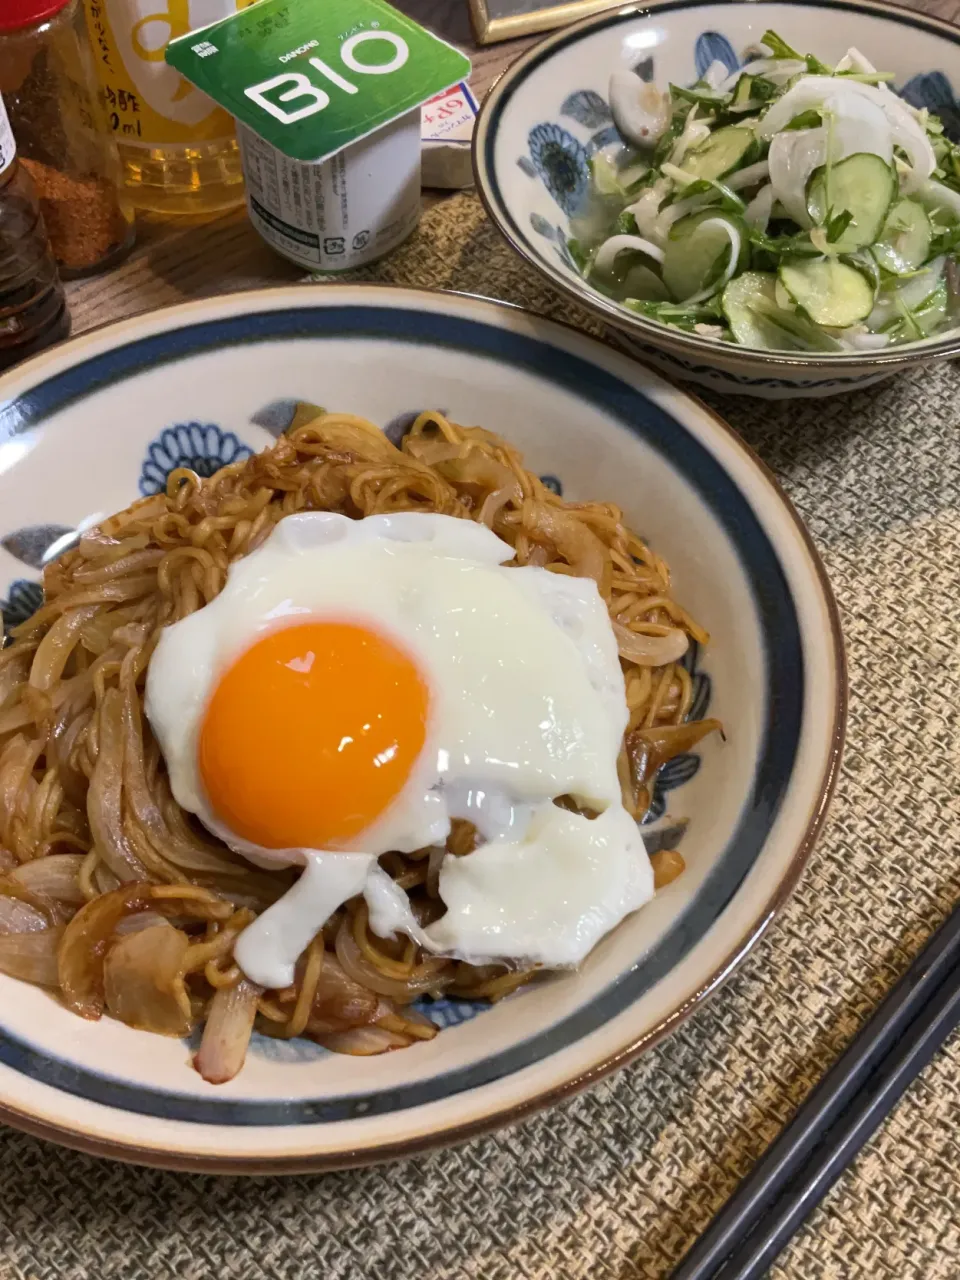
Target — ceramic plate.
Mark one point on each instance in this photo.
(548, 115)
(88, 427)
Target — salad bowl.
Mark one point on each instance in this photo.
(553, 127)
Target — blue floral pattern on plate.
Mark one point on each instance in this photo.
(933, 90)
(712, 47)
(561, 162)
(201, 446)
(34, 544)
(586, 107)
(23, 600)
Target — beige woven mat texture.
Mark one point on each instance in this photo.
(614, 1184)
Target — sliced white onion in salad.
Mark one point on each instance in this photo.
(934, 195)
(855, 127)
(814, 93)
(758, 211)
(863, 340)
(646, 209)
(715, 74)
(748, 177)
(736, 244)
(610, 250)
(694, 132)
(854, 60)
(907, 295)
(776, 70)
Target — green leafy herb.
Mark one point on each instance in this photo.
(625, 225)
(578, 253)
(709, 98)
(780, 49)
(945, 241)
(837, 225)
(805, 120)
(727, 200)
(778, 246)
(676, 313)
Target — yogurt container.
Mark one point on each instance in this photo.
(338, 213)
(327, 96)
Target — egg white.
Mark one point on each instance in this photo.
(527, 703)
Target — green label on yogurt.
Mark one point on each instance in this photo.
(313, 76)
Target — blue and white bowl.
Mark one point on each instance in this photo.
(548, 114)
(87, 427)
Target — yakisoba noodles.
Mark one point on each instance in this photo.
(118, 900)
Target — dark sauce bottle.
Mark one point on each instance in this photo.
(33, 310)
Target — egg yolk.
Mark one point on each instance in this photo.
(311, 734)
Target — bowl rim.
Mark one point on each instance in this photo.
(480, 307)
(709, 350)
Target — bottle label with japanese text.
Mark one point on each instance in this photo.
(147, 101)
(8, 148)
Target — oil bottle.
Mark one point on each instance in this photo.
(178, 149)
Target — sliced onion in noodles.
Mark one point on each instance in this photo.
(648, 749)
(227, 1032)
(364, 1042)
(104, 810)
(342, 997)
(31, 957)
(141, 920)
(359, 968)
(577, 543)
(656, 648)
(20, 917)
(54, 876)
(90, 933)
(55, 648)
(142, 981)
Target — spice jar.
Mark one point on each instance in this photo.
(33, 311)
(48, 81)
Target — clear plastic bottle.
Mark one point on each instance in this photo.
(177, 148)
(33, 311)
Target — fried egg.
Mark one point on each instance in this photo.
(356, 686)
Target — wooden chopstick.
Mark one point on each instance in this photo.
(832, 1124)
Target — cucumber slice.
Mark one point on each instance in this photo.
(904, 242)
(742, 93)
(756, 320)
(697, 251)
(932, 312)
(723, 151)
(862, 185)
(830, 292)
(642, 283)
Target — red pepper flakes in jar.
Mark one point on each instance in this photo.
(48, 81)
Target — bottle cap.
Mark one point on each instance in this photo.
(15, 14)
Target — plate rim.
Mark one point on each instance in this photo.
(302, 296)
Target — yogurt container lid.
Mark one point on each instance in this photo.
(314, 76)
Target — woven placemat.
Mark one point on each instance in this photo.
(614, 1184)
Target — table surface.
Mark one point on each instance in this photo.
(613, 1185)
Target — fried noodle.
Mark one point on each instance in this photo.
(120, 900)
